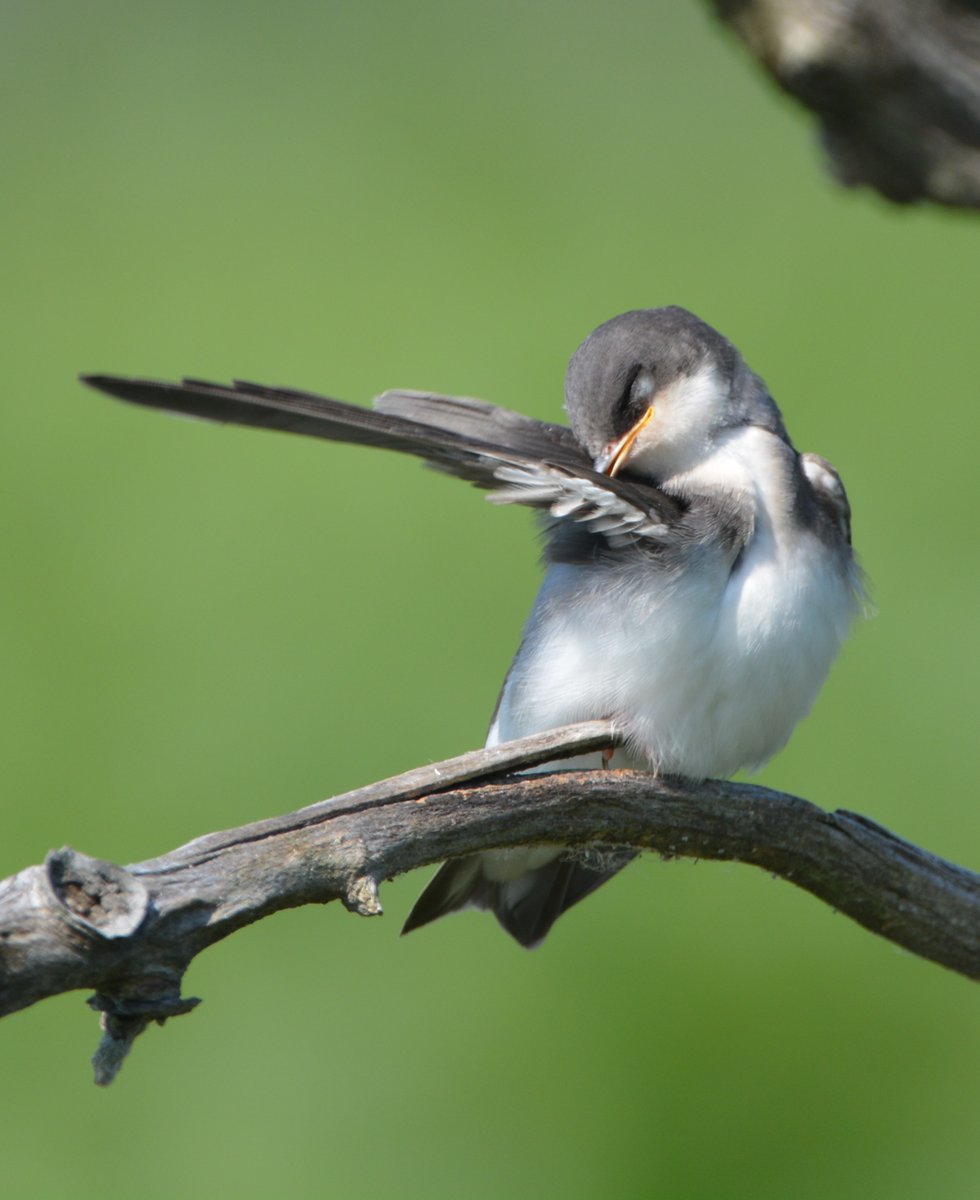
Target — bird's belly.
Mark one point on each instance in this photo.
(708, 672)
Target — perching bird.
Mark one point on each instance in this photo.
(699, 576)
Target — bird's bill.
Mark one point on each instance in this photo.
(614, 456)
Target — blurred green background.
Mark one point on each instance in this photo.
(202, 626)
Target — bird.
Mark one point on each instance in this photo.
(699, 578)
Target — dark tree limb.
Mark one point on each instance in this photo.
(130, 932)
(895, 85)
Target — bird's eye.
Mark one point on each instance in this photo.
(634, 399)
(641, 389)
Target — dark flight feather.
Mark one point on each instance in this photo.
(526, 461)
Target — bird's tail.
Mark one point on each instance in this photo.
(526, 907)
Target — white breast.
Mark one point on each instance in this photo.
(709, 670)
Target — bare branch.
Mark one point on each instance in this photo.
(895, 85)
(130, 933)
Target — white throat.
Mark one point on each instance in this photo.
(750, 462)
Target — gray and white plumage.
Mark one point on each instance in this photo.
(699, 576)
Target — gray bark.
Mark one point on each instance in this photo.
(129, 933)
(895, 85)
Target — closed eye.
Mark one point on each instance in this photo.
(642, 388)
(635, 397)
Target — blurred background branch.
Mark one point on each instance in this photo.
(130, 933)
(895, 85)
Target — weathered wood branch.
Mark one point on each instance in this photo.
(130, 932)
(895, 85)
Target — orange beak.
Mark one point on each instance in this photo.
(613, 457)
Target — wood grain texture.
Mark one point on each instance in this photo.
(129, 933)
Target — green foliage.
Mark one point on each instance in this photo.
(201, 626)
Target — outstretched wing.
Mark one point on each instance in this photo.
(522, 460)
(555, 475)
(489, 424)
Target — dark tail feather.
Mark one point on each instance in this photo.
(453, 886)
(527, 908)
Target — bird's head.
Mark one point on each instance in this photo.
(651, 393)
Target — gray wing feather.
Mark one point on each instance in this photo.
(828, 491)
(481, 421)
(578, 498)
(558, 478)
(539, 464)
